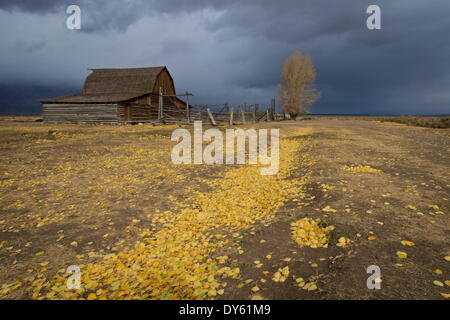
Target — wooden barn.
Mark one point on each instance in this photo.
(115, 96)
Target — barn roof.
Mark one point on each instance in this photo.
(93, 98)
(131, 80)
(114, 85)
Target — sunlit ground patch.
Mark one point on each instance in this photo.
(180, 260)
(361, 169)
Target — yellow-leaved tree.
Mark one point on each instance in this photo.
(297, 90)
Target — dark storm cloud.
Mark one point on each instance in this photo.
(33, 6)
(108, 15)
(358, 69)
(234, 50)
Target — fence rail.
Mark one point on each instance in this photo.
(171, 112)
(241, 115)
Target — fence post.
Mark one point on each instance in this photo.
(187, 107)
(273, 104)
(160, 110)
(242, 114)
(211, 116)
(254, 113)
(231, 116)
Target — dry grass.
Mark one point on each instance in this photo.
(428, 122)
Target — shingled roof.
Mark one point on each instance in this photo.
(114, 85)
(93, 98)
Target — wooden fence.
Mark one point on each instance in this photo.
(170, 112)
(241, 115)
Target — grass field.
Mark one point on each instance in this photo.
(438, 122)
(109, 200)
(428, 122)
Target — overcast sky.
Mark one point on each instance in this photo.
(233, 51)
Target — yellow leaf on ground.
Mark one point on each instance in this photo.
(438, 283)
(312, 287)
(328, 209)
(343, 241)
(91, 296)
(361, 169)
(212, 293)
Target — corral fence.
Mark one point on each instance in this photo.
(229, 115)
(170, 111)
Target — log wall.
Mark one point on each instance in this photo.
(81, 113)
(137, 113)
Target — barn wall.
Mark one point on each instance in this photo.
(142, 100)
(154, 99)
(165, 81)
(137, 113)
(81, 113)
(180, 104)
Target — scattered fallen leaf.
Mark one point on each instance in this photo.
(407, 243)
(91, 296)
(343, 241)
(438, 283)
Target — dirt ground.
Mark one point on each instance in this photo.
(415, 172)
(73, 194)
